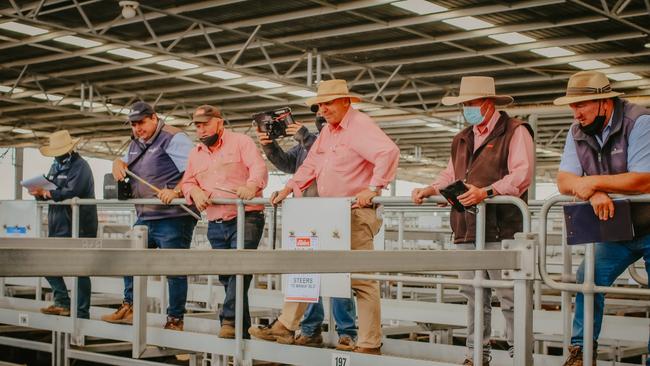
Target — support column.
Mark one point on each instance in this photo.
(18, 169)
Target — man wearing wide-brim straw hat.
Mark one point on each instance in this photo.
(607, 150)
(352, 157)
(73, 178)
(492, 156)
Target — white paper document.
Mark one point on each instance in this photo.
(38, 181)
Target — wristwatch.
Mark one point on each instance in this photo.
(490, 191)
(178, 192)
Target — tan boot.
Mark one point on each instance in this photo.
(346, 343)
(227, 329)
(275, 331)
(575, 357)
(368, 351)
(55, 310)
(315, 340)
(174, 324)
(123, 315)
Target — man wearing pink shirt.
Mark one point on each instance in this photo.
(226, 165)
(352, 157)
(493, 156)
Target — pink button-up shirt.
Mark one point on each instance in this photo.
(235, 162)
(520, 161)
(348, 158)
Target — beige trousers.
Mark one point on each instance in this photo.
(365, 225)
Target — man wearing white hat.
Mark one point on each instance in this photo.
(606, 151)
(492, 156)
(351, 157)
(73, 178)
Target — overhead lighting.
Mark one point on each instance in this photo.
(225, 75)
(7, 89)
(468, 23)
(553, 52)
(264, 84)
(435, 125)
(589, 65)
(303, 93)
(22, 131)
(512, 38)
(176, 64)
(129, 53)
(50, 97)
(23, 28)
(420, 7)
(647, 45)
(78, 41)
(624, 76)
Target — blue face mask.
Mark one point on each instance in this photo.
(472, 115)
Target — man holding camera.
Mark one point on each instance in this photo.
(158, 154)
(352, 157)
(226, 164)
(493, 156)
(342, 308)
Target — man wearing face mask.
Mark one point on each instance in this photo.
(606, 151)
(493, 156)
(343, 309)
(73, 178)
(226, 164)
(158, 154)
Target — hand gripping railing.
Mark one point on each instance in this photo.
(588, 287)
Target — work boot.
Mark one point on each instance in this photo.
(346, 343)
(56, 310)
(174, 324)
(470, 362)
(575, 357)
(275, 331)
(227, 329)
(123, 315)
(315, 340)
(368, 351)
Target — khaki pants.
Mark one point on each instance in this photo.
(365, 225)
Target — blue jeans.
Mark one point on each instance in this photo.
(171, 233)
(61, 298)
(344, 315)
(223, 235)
(612, 259)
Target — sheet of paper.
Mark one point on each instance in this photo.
(38, 181)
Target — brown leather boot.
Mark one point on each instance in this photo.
(275, 331)
(56, 310)
(315, 340)
(575, 357)
(174, 324)
(369, 351)
(123, 315)
(227, 329)
(346, 343)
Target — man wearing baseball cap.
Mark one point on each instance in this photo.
(352, 157)
(493, 156)
(607, 150)
(226, 164)
(158, 154)
(73, 178)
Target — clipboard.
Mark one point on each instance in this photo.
(583, 226)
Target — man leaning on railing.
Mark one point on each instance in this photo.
(607, 150)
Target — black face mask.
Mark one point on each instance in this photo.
(320, 122)
(596, 126)
(209, 140)
(62, 159)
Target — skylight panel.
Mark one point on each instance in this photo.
(303, 93)
(23, 28)
(624, 76)
(177, 64)
(468, 23)
(264, 84)
(589, 65)
(553, 52)
(512, 38)
(129, 53)
(420, 7)
(220, 74)
(78, 41)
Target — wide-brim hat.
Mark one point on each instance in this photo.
(477, 87)
(587, 85)
(332, 89)
(60, 143)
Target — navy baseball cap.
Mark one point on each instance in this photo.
(140, 110)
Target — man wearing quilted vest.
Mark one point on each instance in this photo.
(606, 151)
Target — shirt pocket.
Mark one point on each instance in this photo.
(341, 157)
(233, 170)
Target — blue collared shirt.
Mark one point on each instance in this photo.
(638, 148)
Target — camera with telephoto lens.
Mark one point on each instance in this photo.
(274, 122)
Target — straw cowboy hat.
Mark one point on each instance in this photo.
(60, 144)
(330, 90)
(477, 87)
(587, 85)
